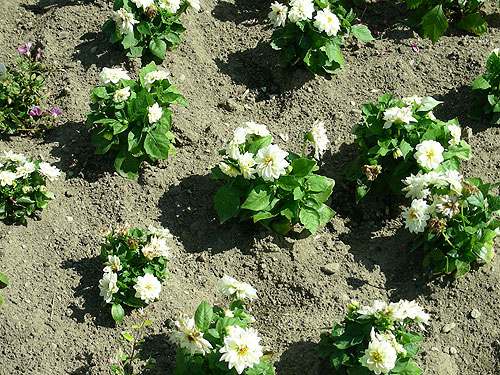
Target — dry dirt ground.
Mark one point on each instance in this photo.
(51, 321)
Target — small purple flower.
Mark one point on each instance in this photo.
(54, 112)
(35, 111)
(25, 50)
(415, 47)
(38, 55)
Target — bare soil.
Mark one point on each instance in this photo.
(52, 322)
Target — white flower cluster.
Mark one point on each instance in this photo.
(124, 21)
(425, 204)
(404, 115)
(301, 10)
(16, 166)
(319, 138)
(269, 163)
(233, 288)
(112, 75)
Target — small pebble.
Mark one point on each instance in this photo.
(453, 350)
(69, 218)
(448, 327)
(475, 314)
(330, 268)
(309, 89)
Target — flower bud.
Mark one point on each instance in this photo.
(151, 12)
(42, 188)
(27, 189)
(353, 306)
(397, 153)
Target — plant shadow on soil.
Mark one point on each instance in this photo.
(299, 356)
(88, 359)
(158, 347)
(242, 11)
(43, 6)
(90, 270)
(104, 54)
(76, 154)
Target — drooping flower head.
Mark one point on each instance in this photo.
(124, 21)
(327, 21)
(271, 163)
(154, 113)
(416, 186)
(148, 288)
(233, 288)
(35, 111)
(416, 216)
(455, 179)
(429, 154)
(110, 75)
(108, 286)
(319, 138)
(188, 337)
(277, 15)
(11, 156)
(241, 348)
(252, 128)
(160, 232)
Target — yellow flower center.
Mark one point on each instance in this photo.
(242, 351)
(148, 287)
(268, 160)
(376, 357)
(430, 154)
(412, 214)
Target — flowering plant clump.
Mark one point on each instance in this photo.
(218, 341)
(132, 118)
(148, 26)
(431, 16)
(21, 93)
(487, 90)
(23, 186)
(273, 187)
(135, 262)
(375, 339)
(453, 218)
(400, 137)
(313, 32)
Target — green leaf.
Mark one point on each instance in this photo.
(227, 202)
(127, 336)
(361, 32)
(126, 164)
(129, 41)
(480, 84)
(320, 183)
(203, 316)
(158, 48)
(473, 23)
(434, 23)
(144, 28)
(100, 92)
(157, 145)
(302, 167)
(134, 139)
(428, 104)
(309, 218)
(258, 199)
(151, 67)
(462, 268)
(287, 182)
(3, 281)
(260, 143)
(325, 214)
(117, 312)
(1, 301)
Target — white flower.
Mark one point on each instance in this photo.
(154, 113)
(434, 178)
(240, 135)
(11, 156)
(416, 216)
(143, 3)
(108, 286)
(49, 171)
(228, 313)
(416, 186)
(160, 232)
(277, 15)
(389, 337)
(411, 310)
(448, 205)
(454, 178)
(496, 51)
(113, 264)
(319, 138)
(456, 133)
(124, 20)
(157, 247)
(255, 129)
(326, 21)
(429, 154)
(194, 5)
(300, 10)
(380, 357)
(187, 336)
(155, 75)
(7, 178)
(148, 288)
(233, 149)
(246, 163)
(231, 287)
(121, 95)
(171, 6)
(228, 169)
(396, 115)
(411, 100)
(241, 348)
(113, 75)
(365, 312)
(430, 115)
(271, 163)
(26, 169)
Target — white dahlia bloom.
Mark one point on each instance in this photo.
(319, 138)
(124, 20)
(411, 100)
(256, 129)
(416, 186)
(380, 357)
(456, 133)
(25, 169)
(113, 264)
(121, 95)
(241, 348)
(300, 10)
(435, 178)
(160, 232)
(157, 247)
(396, 115)
(271, 163)
(11, 156)
(233, 150)
(170, 6)
(416, 216)
(454, 178)
(188, 337)
(154, 113)
(194, 5)
(7, 178)
(155, 75)
(49, 171)
(240, 290)
(277, 15)
(246, 163)
(228, 169)
(240, 135)
(148, 288)
(108, 286)
(112, 75)
(327, 21)
(429, 154)
(143, 3)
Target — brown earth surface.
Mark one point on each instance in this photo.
(52, 322)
